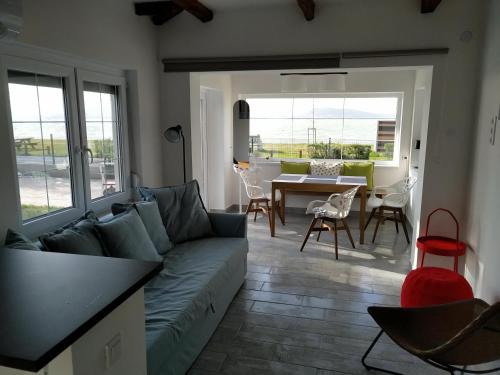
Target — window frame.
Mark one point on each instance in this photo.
(102, 204)
(40, 61)
(395, 162)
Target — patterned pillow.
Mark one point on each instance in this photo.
(324, 168)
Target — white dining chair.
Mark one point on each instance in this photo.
(390, 198)
(327, 213)
(259, 193)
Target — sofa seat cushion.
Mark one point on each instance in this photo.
(185, 290)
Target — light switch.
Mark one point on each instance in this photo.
(113, 350)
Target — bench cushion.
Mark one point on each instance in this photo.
(194, 274)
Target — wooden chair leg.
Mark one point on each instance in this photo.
(336, 239)
(313, 222)
(249, 207)
(268, 214)
(344, 222)
(396, 221)
(380, 218)
(403, 223)
(371, 216)
(321, 227)
(255, 214)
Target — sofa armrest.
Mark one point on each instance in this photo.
(228, 225)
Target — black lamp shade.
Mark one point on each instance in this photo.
(173, 134)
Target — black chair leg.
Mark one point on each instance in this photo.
(319, 233)
(367, 366)
(336, 239)
(371, 216)
(403, 223)
(344, 222)
(380, 218)
(396, 221)
(313, 222)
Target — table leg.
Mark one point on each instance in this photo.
(282, 206)
(362, 213)
(273, 209)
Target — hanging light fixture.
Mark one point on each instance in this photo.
(293, 82)
(300, 82)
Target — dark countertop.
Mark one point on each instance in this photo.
(49, 300)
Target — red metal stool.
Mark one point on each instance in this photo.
(427, 286)
(439, 245)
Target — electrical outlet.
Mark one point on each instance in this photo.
(493, 130)
(113, 350)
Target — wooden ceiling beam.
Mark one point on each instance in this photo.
(429, 6)
(159, 11)
(196, 8)
(307, 7)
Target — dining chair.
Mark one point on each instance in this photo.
(394, 199)
(328, 213)
(259, 193)
(450, 337)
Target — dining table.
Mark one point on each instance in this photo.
(309, 184)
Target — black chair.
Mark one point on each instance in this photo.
(450, 337)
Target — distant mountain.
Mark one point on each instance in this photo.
(348, 113)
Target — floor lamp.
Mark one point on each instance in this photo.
(174, 134)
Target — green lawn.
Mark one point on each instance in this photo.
(60, 148)
(30, 211)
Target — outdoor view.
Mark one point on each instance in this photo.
(350, 128)
(40, 129)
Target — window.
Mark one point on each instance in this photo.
(350, 127)
(68, 132)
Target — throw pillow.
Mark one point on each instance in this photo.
(125, 236)
(151, 218)
(289, 167)
(360, 169)
(323, 168)
(16, 240)
(78, 237)
(182, 211)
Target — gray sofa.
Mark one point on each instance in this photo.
(202, 273)
(186, 301)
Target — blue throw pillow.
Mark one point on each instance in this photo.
(16, 240)
(78, 237)
(182, 211)
(125, 236)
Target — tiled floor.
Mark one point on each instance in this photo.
(305, 313)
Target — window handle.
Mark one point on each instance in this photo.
(88, 150)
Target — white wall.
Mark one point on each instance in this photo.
(109, 32)
(357, 81)
(483, 205)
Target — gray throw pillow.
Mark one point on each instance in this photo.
(79, 237)
(16, 240)
(125, 236)
(182, 211)
(150, 215)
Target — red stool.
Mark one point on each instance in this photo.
(439, 245)
(427, 286)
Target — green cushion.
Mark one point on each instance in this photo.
(360, 169)
(79, 238)
(16, 240)
(182, 211)
(151, 218)
(125, 236)
(290, 167)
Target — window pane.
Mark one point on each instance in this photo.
(360, 128)
(42, 149)
(102, 129)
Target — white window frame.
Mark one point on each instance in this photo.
(104, 203)
(395, 162)
(41, 61)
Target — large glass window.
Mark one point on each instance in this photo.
(69, 139)
(349, 128)
(40, 129)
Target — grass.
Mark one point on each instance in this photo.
(298, 151)
(30, 211)
(60, 148)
